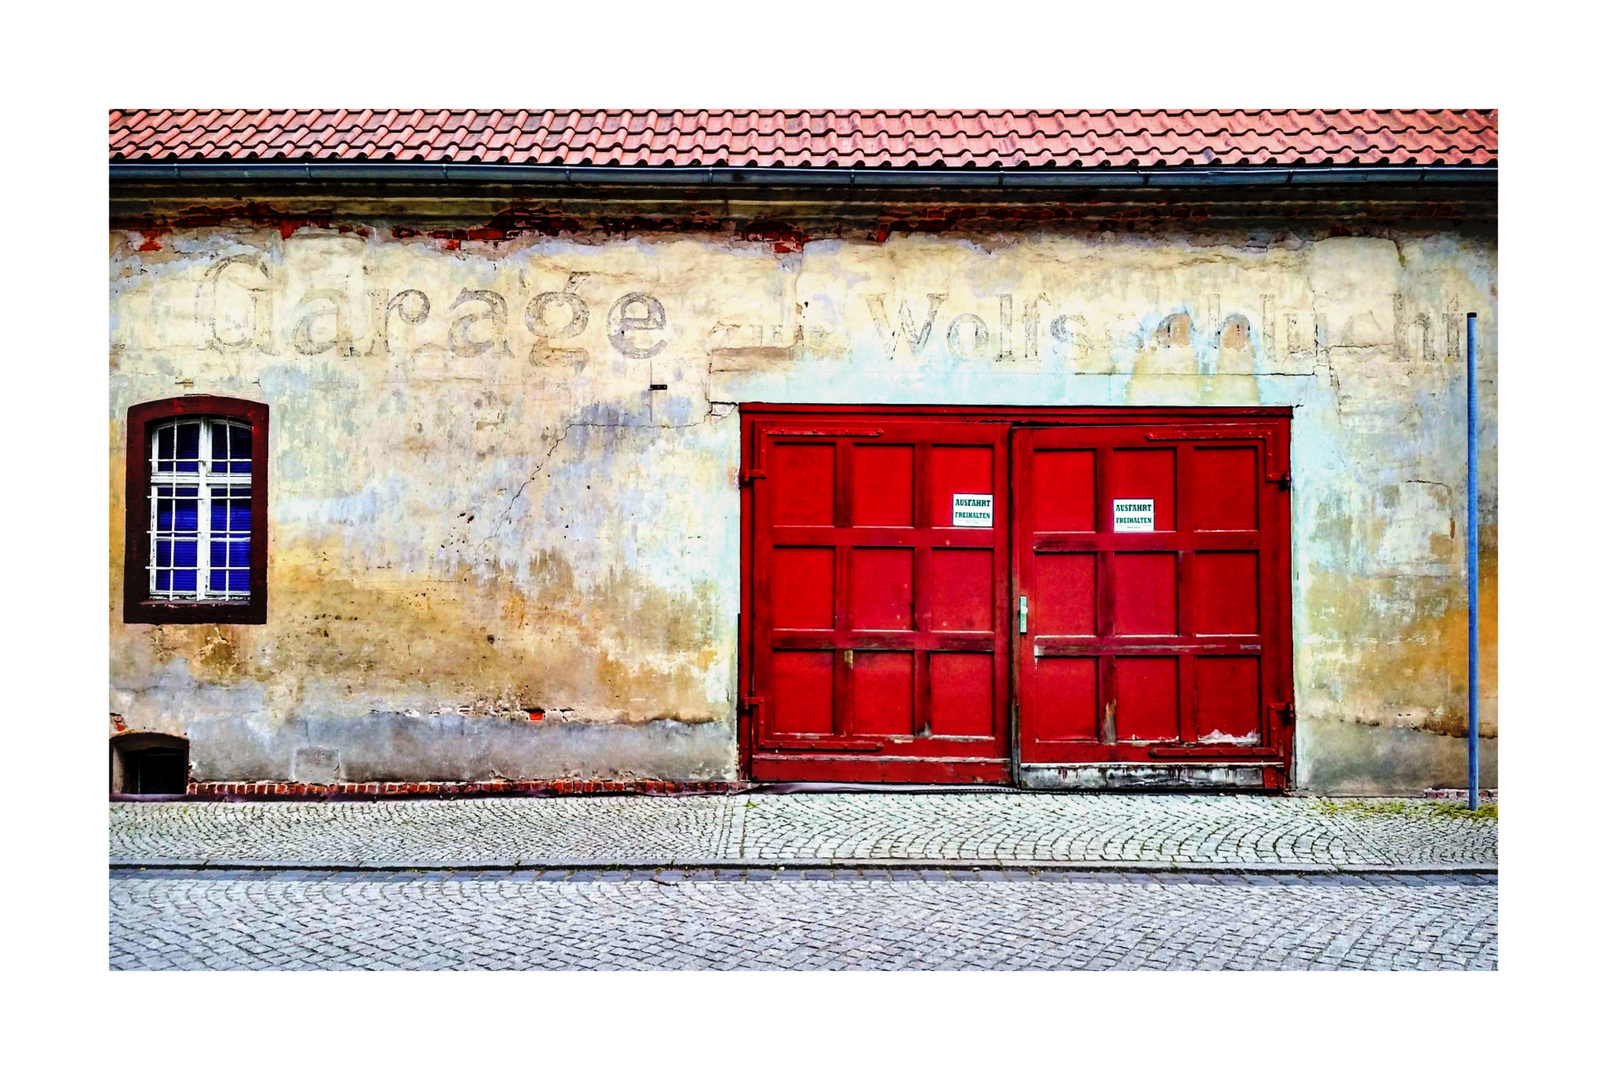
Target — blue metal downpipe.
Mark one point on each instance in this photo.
(1473, 564)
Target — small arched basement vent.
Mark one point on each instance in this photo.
(145, 763)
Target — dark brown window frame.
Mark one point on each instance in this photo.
(138, 606)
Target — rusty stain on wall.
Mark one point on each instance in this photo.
(484, 513)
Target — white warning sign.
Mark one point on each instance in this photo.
(1135, 515)
(973, 511)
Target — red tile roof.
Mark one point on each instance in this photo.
(866, 138)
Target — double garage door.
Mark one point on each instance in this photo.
(1054, 597)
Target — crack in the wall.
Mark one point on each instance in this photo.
(710, 415)
(507, 513)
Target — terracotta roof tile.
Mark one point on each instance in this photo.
(825, 138)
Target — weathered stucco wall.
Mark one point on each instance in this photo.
(498, 551)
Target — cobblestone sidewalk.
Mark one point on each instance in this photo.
(928, 919)
(800, 830)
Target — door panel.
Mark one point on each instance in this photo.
(879, 633)
(1163, 643)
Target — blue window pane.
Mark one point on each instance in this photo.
(164, 580)
(218, 580)
(164, 515)
(164, 443)
(240, 445)
(184, 552)
(220, 516)
(220, 447)
(187, 517)
(220, 555)
(164, 553)
(240, 580)
(184, 580)
(240, 553)
(189, 448)
(241, 467)
(240, 517)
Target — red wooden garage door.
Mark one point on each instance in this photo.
(1151, 562)
(888, 555)
(879, 637)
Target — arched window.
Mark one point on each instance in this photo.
(197, 502)
(148, 763)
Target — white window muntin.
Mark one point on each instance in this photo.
(200, 527)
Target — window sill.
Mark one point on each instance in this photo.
(251, 612)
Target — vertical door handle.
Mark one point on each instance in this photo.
(1023, 613)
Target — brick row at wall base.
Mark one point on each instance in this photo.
(450, 789)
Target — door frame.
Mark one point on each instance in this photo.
(1274, 776)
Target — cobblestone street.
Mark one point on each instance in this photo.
(991, 828)
(925, 919)
(975, 880)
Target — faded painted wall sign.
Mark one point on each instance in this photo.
(973, 511)
(1135, 515)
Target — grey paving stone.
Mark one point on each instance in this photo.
(988, 827)
(793, 920)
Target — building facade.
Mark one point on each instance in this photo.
(1076, 450)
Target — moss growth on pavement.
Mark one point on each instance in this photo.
(1405, 808)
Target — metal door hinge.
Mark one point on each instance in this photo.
(1285, 481)
(1285, 709)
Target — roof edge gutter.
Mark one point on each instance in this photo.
(815, 177)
